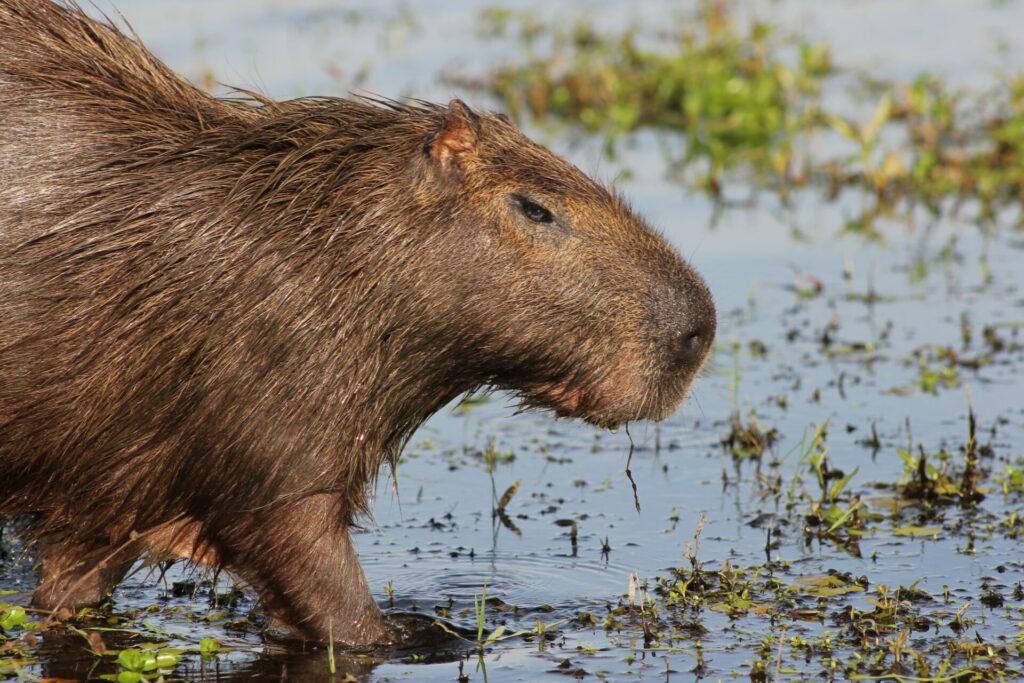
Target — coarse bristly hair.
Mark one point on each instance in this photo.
(220, 317)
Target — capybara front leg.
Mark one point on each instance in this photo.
(301, 560)
(75, 575)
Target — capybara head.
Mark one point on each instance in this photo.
(554, 288)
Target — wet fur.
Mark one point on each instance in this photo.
(221, 317)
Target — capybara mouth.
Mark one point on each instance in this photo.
(597, 406)
(565, 400)
(621, 396)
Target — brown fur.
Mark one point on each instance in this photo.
(219, 318)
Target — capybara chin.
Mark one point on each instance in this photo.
(220, 317)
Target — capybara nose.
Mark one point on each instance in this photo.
(689, 343)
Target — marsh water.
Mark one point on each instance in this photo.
(819, 328)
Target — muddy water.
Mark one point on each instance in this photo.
(815, 328)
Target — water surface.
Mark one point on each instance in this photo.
(433, 544)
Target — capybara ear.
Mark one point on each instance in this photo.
(457, 140)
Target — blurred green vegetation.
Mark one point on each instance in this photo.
(746, 99)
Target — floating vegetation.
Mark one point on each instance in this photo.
(828, 627)
(737, 101)
(147, 658)
(745, 97)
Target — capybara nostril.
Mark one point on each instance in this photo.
(690, 346)
(687, 346)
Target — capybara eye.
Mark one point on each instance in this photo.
(534, 211)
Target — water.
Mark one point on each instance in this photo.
(433, 546)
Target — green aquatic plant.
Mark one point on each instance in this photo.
(12, 617)
(542, 632)
(744, 99)
(150, 664)
(729, 89)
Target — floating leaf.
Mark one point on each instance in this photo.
(11, 617)
(917, 531)
(819, 580)
(823, 586)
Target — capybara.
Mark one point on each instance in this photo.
(220, 317)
